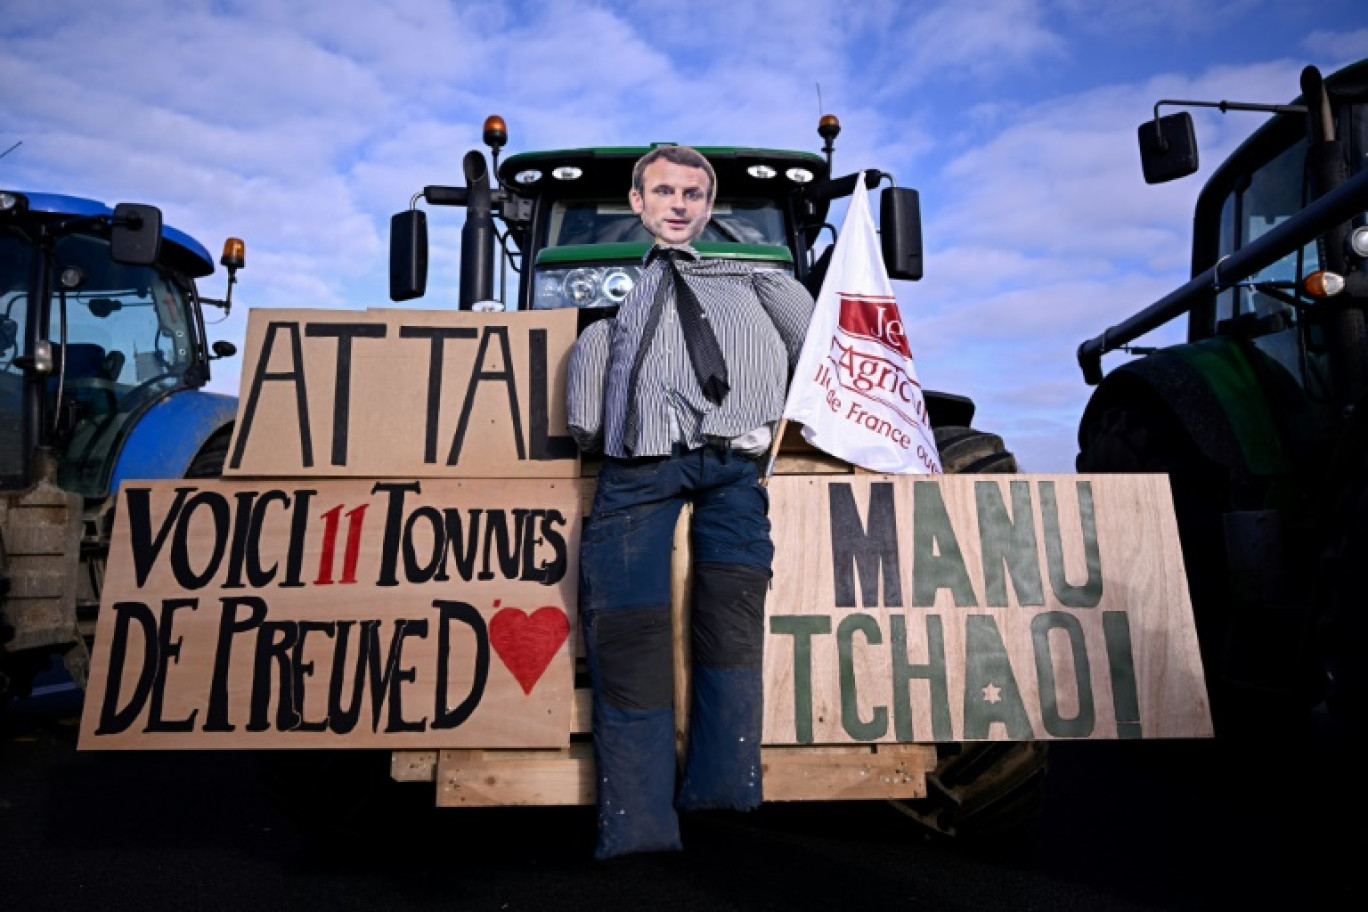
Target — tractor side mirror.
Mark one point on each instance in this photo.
(408, 255)
(135, 238)
(900, 232)
(1168, 148)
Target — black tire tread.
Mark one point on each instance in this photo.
(212, 456)
(966, 451)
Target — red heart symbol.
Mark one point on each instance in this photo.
(526, 644)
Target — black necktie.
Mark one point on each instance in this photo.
(705, 354)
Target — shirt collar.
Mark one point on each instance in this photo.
(685, 249)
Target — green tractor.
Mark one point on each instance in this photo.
(573, 241)
(1259, 418)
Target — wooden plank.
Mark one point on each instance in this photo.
(413, 765)
(493, 778)
(895, 771)
(813, 464)
(582, 711)
(501, 778)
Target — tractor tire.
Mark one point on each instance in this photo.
(209, 461)
(966, 451)
(1254, 683)
(1341, 622)
(982, 790)
(1139, 439)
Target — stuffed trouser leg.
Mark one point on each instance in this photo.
(625, 613)
(732, 558)
(727, 706)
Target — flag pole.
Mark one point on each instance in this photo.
(773, 451)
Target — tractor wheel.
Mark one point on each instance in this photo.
(1342, 625)
(1135, 438)
(1250, 679)
(966, 451)
(209, 461)
(984, 789)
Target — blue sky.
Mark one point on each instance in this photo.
(302, 126)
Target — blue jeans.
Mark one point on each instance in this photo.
(625, 560)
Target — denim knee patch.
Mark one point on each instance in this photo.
(633, 657)
(728, 617)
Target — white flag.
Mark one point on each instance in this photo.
(855, 390)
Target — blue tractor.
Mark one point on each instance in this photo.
(103, 359)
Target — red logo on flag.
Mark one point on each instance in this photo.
(876, 319)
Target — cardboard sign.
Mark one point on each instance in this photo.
(409, 613)
(404, 394)
(968, 607)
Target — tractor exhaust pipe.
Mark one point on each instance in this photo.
(478, 235)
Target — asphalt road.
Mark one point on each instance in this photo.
(1139, 825)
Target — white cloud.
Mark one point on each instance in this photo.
(302, 127)
(1347, 46)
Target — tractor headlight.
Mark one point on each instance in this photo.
(616, 284)
(584, 286)
(581, 287)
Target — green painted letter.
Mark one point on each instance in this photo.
(1070, 596)
(936, 559)
(1116, 629)
(1010, 541)
(856, 727)
(801, 628)
(1081, 725)
(933, 672)
(990, 688)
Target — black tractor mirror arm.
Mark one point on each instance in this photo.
(1168, 144)
(1223, 106)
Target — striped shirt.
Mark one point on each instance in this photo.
(759, 315)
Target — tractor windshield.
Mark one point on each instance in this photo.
(586, 270)
(121, 336)
(128, 339)
(735, 221)
(1266, 305)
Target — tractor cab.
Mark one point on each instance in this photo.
(1292, 307)
(585, 245)
(99, 321)
(570, 233)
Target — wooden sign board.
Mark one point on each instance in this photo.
(393, 614)
(404, 394)
(963, 607)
